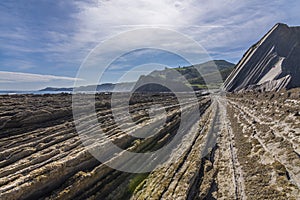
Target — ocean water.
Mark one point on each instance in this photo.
(32, 92)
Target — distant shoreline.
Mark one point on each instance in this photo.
(32, 92)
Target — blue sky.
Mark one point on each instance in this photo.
(43, 43)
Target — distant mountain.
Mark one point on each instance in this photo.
(271, 64)
(190, 75)
(56, 89)
(106, 87)
(172, 75)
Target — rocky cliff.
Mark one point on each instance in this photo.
(271, 64)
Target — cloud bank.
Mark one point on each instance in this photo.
(28, 81)
(55, 37)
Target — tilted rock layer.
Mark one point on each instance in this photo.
(244, 146)
(271, 64)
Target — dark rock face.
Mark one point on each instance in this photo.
(271, 64)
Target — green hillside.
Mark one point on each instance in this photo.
(191, 76)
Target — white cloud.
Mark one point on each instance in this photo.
(17, 77)
(224, 27)
(18, 64)
(215, 23)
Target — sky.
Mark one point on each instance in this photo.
(44, 43)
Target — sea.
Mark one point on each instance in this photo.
(32, 92)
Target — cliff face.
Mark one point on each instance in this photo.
(271, 64)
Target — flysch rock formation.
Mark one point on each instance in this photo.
(271, 64)
(246, 146)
